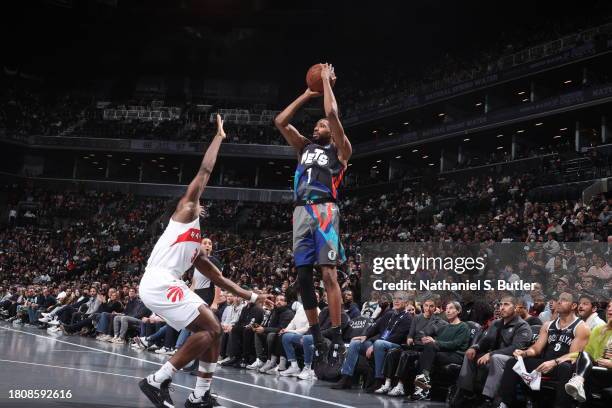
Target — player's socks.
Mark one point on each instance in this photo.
(166, 372)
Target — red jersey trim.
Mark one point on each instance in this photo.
(191, 235)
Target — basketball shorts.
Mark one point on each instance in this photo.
(316, 239)
(170, 298)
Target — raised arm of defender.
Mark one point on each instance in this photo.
(188, 207)
(289, 132)
(342, 143)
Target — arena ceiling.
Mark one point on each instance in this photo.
(258, 39)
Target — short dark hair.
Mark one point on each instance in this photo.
(513, 299)
(590, 298)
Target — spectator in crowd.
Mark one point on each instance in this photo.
(522, 312)
(241, 339)
(388, 333)
(551, 352)
(350, 307)
(397, 363)
(231, 314)
(267, 339)
(297, 326)
(587, 311)
(489, 355)
(448, 347)
(131, 317)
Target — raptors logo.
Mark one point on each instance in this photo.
(174, 294)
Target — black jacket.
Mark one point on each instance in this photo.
(135, 308)
(398, 323)
(111, 306)
(504, 339)
(250, 313)
(279, 319)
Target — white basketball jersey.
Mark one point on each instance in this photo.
(177, 248)
(199, 280)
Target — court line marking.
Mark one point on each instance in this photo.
(160, 364)
(115, 374)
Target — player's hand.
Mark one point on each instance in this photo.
(546, 366)
(484, 360)
(327, 72)
(312, 94)
(220, 131)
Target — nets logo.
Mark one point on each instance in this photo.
(317, 156)
(174, 294)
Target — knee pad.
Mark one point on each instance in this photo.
(307, 291)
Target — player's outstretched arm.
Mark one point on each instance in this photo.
(187, 208)
(345, 149)
(208, 269)
(289, 132)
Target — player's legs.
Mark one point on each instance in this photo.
(334, 296)
(205, 339)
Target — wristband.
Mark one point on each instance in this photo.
(254, 297)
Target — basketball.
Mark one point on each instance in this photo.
(313, 78)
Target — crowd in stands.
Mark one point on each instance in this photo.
(394, 85)
(71, 262)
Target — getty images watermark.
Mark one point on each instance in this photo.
(497, 267)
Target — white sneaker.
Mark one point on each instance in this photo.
(292, 371)
(171, 352)
(162, 350)
(274, 370)
(44, 319)
(257, 364)
(118, 340)
(111, 339)
(397, 391)
(383, 389)
(55, 322)
(267, 365)
(575, 388)
(45, 314)
(307, 374)
(222, 360)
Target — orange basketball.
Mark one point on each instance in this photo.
(313, 78)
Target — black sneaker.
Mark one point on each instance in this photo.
(207, 401)
(160, 397)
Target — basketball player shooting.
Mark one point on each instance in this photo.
(164, 293)
(322, 162)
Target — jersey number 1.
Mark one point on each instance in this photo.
(309, 171)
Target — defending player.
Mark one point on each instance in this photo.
(322, 162)
(163, 291)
